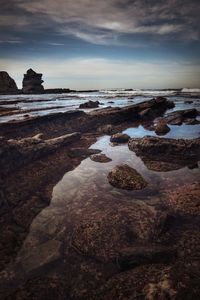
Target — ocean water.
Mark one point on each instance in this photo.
(19, 107)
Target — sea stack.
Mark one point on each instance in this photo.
(32, 83)
(7, 84)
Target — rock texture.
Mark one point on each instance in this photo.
(161, 128)
(181, 116)
(125, 177)
(119, 138)
(162, 154)
(102, 158)
(32, 83)
(185, 200)
(16, 153)
(7, 84)
(107, 233)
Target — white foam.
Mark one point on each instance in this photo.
(187, 90)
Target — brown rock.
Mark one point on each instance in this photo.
(185, 199)
(161, 128)
(106, 233)
(102, 158)
(119, 138)
(125, 177)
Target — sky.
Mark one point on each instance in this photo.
(93, 44)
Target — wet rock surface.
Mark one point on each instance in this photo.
(125, 177)
(102, 158)
(66, 233)
(89, 104)
(161, 128)
(119, 138)
(7, 84)
(32, 83)
(110, 231)
(181, 116)
(162, 154)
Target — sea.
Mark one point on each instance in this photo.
(19, 107)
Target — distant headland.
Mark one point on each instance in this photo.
(31, 84)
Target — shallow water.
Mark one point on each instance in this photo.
(71, 101)
(86, 188)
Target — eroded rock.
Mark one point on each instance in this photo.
(161, 128)
(16, 153)
(127, 178)
(178, 152)
(102, 158)
(120, 138)
(32, 83)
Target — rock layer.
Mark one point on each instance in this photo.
(162, 154)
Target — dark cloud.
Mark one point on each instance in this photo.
(103, 22)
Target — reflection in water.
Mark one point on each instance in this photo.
(176, 132)
(74, 194)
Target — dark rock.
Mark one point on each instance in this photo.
(102, 158)
(78, 120)
(164, 146)
(162, 154)
(178, 117)
(144, 254)
(82, 152)
(89, 104)
(111, 102)
(191, 121)
(127, 178)
(7, 84)
(161, 128)
(120, 138)
(146, 113)
(17, 153)
(188, 101)
(32, 83)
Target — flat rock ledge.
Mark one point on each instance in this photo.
(16, 153)
(164, 146)
(125, 177)
(164, 154)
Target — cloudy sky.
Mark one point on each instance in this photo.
(86, 44)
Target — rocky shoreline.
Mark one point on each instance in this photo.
(101, 246)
